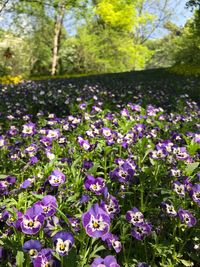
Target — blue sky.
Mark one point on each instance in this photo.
(180, 16)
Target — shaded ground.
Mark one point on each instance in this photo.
(158, 87)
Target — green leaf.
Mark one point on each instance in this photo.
(3, 176)
(20, 258)
(187, 263)
(191, 167)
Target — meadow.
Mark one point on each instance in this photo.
(100, 171)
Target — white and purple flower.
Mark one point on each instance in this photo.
(96, 221)
(63, 242)
(56, 178)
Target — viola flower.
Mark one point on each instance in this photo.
(48, 205)
(123, 174)
(179, 188)
(2, 141)
(112, 241)
(186, 217)
(27, 183)
(75, 223)
(31, 150)
(169, 209)
(56, 178)
(134, 216)
(87, 164)
(95, 185)
(106, 132)
(44, 258)
(181, 153)
(33, 160)
(13, 130)
(195, 193)
(63, 242)
(32, 247)
(32, 221)
(140, 231)
(175, 172)
(29, 129)
(96, 221)
(85, 144)
(110, 205)
(47, 142)
(53, 134)
(6, 183)
(108, 261)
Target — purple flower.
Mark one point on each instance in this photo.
(179, 188)
(48, 205)
(84, 199)
(63, 242)
(87, 164)
(134, 216)
(33, 160)
(169, 209)
(32, 247)
(111, 206)
(140, 231)
(6, 183)
(186, 217)
(75, 223)
(32, 221)
(29, 129)
(95, 185)
(113, 242)
(84, 144)
(56, 178)
(44, 258)
(123, 174)
(2, 141)
(26, 183)
(108, 261)
(96, 221)
(53, 134)
(195, 193)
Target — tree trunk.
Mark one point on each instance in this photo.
(56, 40)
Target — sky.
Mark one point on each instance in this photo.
(180, 17)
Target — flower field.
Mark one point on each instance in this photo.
(100, 171)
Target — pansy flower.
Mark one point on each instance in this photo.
(53, 134)
(33, 220)
(123, 174)
(169, 209)
(141, 230)
(186, 217)
(56, 178)
(48, 205)
(108, 261)
(96, 221)
(63, 242)
(195, 193)
(32, 247)
(112, 241)
(95, 185)
(110, 205)
(29, 129)
(134, 216)
(2, 141)
(44, 258)
(179, 188)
